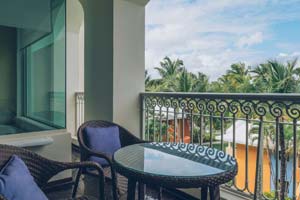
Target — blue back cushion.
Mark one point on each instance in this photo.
(105, 140)
(16, 182)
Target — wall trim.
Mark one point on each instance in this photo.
(139, 2)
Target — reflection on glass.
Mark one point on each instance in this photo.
(45, 73)
(32, 65)
(158, 162)
(161, 159)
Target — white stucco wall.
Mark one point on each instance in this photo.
(114, 61)
(81, 58)
(75, 59)
(129, 63)
(98, 69)
(59, 149)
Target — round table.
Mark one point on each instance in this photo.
(175, 165)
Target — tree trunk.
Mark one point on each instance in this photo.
(282, 162)
(258, 193)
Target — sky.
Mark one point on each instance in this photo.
(210, 35)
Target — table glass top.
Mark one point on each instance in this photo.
(174, 159)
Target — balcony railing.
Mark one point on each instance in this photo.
(260, 130)
(79, 110)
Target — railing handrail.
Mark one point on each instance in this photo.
(79, 111)
(291, 97)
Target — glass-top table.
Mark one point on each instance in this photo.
(175, 165)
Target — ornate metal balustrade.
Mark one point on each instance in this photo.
(79, 110)
(259, 130)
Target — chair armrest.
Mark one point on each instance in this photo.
(84, 165)
(129, 139)
(91, 152)
(62, 166)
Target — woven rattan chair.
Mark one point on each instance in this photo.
(119, 183)
(43, 169)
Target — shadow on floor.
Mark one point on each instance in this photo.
(88, 187)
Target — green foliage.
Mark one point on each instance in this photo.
(271, 195)
(155, 128)
(275, 77)
(269, 77)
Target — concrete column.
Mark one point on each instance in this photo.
(114, 60)
(75, 51)
(98, 17)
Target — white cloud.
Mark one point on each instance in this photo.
(295, 54)
(210, 35)
(283, 55)
(250, 40)
(290, 55)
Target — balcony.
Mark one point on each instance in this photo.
(259, 130)
(100, 53)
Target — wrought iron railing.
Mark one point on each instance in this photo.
(79, 110)
(260, 130)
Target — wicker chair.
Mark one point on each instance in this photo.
(43, 169)
(119, 183)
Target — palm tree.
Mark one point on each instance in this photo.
(200, 82)
(151, 85)
(284, 77)
(237, 79)
(184, 82)
(147, 78)
(261, 78)
(168, 70)
(275, 77)
(216, 86)
(283, 162)
(226, 83)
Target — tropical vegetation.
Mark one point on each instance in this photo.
(269, 77)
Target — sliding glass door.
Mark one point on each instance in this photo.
(44, 64)
(32, 65)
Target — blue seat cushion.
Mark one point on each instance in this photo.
(16, 182)
(103, 139)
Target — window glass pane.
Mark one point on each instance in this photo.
(45, 73)
(32, 65)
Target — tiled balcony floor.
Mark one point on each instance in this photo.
(88, 187)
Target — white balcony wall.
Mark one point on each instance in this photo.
(75, 60)
(58, 146)
(114, 60)
(129, 62)
(113, 63)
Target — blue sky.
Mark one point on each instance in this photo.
(209, 35)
